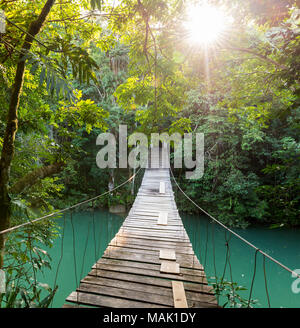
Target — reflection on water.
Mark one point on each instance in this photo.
(209, 239)
(92, 233)
(209, 245)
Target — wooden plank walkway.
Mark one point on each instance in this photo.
(150, 262)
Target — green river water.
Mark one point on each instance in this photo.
(209, 245)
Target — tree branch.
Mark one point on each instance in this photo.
(249, 51)
(34, 176)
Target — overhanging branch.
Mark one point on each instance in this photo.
(249, 51)
(34, 176)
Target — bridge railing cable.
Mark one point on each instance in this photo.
(219, 282)
(53, 214)
(236, 234)
(71, 255)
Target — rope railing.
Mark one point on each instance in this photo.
(257, 250)
(90, 241)
(67, 208)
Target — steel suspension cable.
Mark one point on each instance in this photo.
(68, 208)
(236, 234)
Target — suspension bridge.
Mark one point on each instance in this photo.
(150, 262)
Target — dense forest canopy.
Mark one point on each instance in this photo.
(72, 69)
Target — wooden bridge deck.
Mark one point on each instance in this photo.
(150, 262)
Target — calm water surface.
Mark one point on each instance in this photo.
(70, 264)
(209, 243)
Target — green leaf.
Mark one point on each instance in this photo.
(42, 75)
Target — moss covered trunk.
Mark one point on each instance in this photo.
(12, 125)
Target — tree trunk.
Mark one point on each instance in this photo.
(32, 177)
(111, 182)
(12, 125)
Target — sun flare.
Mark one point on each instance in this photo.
(205, 24)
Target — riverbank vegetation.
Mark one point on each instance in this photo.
(72, 70)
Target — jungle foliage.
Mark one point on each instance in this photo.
(90, 70)
(71, 70)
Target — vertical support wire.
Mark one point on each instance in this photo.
(19, 275)
(226, 258)
(214, 248)
(99, 241)
(206, 243)
(214, 254)
(107, 235)
(61, 255)
(31, 259)
(94, 237)
(265, 278)
(74, 252)
(225, 267)
(230, 268)
(253, 278)
(199, 242)
(84, 252)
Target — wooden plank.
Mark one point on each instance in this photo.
(152, 224)
(149, 273)
(167, 254)
(145, 240)
(189, 259)
(154, 238)
(157, 234)
(154, 227)
(152, 212)
(122, 264)
(179, 295)
(169, 267)
(157, 287)
(107, 301)
(194, 287)
(143, 296)
(164, 235)
(139, 220)
(162, 218)
(68, 306)
(150, 241)
(183, 250)
(162, 187)
(186, 262)
(136, 286)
